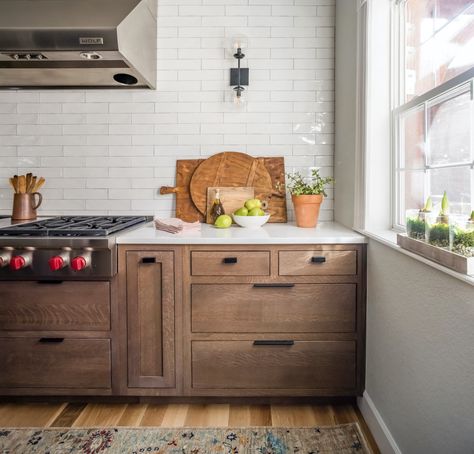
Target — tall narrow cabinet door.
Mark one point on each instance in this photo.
(150, 308)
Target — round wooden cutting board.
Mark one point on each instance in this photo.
(229, 169)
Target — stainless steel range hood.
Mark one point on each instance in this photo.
(77, 43)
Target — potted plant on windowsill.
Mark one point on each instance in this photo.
(307, 195)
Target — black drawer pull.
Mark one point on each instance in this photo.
(51, 340)
(230, 260)
(273, 342)
(318, 259)
(149, 260)
(52, 282)
(276, 285)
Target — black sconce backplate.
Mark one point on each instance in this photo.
(234, 76)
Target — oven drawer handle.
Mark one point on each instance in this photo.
(51, 282)
(229, 260)
(149, 260)
(51, 340)
(318, 259)
(273, 342)
(275, 285)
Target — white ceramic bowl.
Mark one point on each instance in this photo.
(251, 222)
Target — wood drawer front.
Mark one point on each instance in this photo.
(72, 363)
(317, 263)
(70, 306)
(304, 365)
(230, 263)
(245, 308)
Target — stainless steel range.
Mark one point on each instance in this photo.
(63, 248)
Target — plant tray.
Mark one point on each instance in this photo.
(456, 262)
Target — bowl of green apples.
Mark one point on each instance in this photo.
(251, 215)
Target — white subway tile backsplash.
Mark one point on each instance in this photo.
(111, 150)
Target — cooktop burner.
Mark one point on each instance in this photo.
(74, 226)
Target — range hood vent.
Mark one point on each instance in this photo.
(77, 44)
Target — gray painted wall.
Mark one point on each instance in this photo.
(420, 353)
(345, 105)
(420, 321)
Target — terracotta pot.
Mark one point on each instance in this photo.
(307, 209)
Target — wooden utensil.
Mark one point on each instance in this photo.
(231, 198)
(185, 208)
(38, 185)
(32, 184)
(22, 184)
(228, 169)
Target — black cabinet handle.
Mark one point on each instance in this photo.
(149, 260)
(51, 340)
(50, 282)
(273, 342)
(230, 260)
(276, 285)
(318, 259)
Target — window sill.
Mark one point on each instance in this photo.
(389, 238)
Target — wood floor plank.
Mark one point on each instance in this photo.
(175, 415)
(133, 415)
(323, 414)
(293, 416)
(196, 416)
(100, 415)
(239, 416)
(69, 414)
(344, 414)
(153, 415)
(29, 415)
(217, 415)
(260, 415)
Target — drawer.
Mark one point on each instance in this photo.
(283, 308)
(317, 263)
(230, 263)
(303, 365)
(70, 363)
(69, 306)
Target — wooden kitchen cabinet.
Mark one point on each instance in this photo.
(294, 327)
(54, 340)
(148, 299)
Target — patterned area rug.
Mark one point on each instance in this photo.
(342, 439)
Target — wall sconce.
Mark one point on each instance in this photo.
(239, 76)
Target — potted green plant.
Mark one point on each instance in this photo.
(307, 195)
(416, 220)
(440, 232)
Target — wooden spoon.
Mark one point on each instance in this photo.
(22, 184)
(38, 185)
(28, 181)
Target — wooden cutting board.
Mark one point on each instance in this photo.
(187, 211)
(185, 208)
(229, 169)
(231, 199)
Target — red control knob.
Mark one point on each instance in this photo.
(78, 263)
(17, 262)
(56, 263)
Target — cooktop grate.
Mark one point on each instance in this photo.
(74, 226)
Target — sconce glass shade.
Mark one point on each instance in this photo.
(239, 96)
(239, 42)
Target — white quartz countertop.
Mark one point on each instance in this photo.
(324, 233)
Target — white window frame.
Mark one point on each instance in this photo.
(463, 83)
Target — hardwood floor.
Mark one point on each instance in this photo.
(179, 415)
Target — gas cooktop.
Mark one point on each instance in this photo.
(74, 226)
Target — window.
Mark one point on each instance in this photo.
(433, 118)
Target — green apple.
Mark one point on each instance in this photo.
(241, 212)
(253, 203)
(256, 212)
(224, 221)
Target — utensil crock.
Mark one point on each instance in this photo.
(25, 205)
